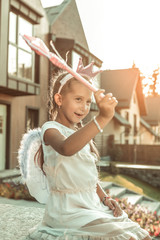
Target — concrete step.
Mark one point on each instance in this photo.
(116, 191)
(132, 198)
(9, 174)
(106, 185)
(150, 205)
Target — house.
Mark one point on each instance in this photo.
(153, 116)
(25, 75)
(125, 84)
(147, 134)
(67, 33)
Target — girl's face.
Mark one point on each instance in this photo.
(75, 104)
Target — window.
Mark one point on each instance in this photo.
(127, 141)
(127, 129)
(96, 82)
(32, 118)
(20, 60)
(135, 129)
(75, 60)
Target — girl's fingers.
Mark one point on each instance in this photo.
(118, 212)
(110, 205)
(98, 94)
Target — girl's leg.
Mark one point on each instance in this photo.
(147, 238)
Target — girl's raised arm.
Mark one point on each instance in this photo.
(75, 142)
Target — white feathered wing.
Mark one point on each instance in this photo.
(31, 173)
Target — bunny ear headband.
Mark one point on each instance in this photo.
(40, 48)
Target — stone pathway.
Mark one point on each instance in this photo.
(15, 221)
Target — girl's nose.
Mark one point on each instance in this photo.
(84, 107)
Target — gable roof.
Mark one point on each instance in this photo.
(148, 127)
(153, 108)
(117, 116)
(123, 83)
(55, 11)
(65, 22)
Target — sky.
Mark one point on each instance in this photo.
(121, 32)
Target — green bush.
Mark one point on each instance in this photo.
(15, 191)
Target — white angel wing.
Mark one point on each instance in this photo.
(31, 173)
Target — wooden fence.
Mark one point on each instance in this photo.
(139, 154)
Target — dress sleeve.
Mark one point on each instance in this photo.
(48, 125)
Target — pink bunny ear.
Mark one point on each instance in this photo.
(40, 48)
(37, 45)
(87, 70)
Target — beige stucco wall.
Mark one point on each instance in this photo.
(145, 136)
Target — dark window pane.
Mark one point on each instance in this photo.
(32, 118)
(37, 63)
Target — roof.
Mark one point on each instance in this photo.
(153, 116)
(121, 120)
(65, 22)
(55, 11)
(123, 83)
(117, 116)
(148, 127)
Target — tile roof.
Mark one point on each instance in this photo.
(123, 83)
(147, 126)
(153, 108)
(121, 120)
(55, 11)
(117, 116)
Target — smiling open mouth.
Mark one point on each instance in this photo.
(78, 115)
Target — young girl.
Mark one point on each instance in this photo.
(77, 207)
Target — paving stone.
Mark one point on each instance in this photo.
(16, 221)
(117, 191)
(106, 185)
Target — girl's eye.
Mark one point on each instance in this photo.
(78, 99)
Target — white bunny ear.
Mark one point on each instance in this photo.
(31, 173)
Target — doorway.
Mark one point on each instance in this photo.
(3, 135)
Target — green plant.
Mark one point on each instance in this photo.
(15, 191)
(148, 220)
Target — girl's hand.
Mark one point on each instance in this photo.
(105, 104)
(113, 205)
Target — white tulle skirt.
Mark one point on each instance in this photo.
(121, 228)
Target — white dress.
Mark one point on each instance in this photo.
(74, 210)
